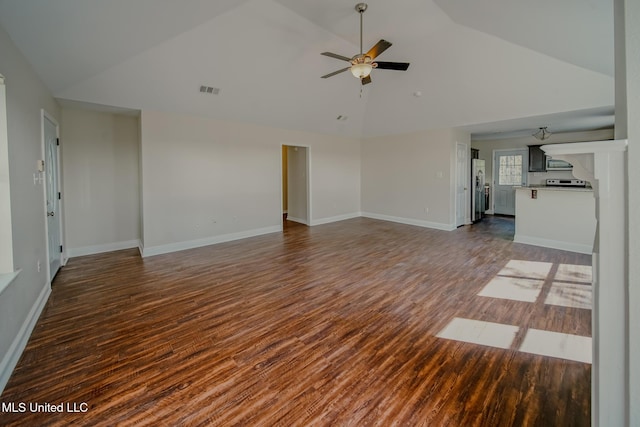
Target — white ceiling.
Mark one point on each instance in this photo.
(486, 65)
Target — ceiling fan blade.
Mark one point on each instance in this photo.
(366, 80)
(400, 66)
(335, 72)
(336, 56)
(380, 47)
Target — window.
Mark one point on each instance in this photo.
(510, 172)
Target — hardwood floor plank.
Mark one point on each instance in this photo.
(331, 325)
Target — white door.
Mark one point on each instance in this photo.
(52, 196)
(509, 170)
(462, 166)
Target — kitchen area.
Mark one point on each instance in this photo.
(551, 207)
(558, 212)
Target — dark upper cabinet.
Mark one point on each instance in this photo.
(537, 159)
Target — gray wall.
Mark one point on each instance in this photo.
(101, 176)
(19, 302)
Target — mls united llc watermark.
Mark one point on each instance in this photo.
(22, 407)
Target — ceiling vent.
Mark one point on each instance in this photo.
(210, 90)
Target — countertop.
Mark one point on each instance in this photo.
(552, 188)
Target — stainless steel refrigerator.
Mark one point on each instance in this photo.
(477, 194)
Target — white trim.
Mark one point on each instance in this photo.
(46, 116)
(466, 184)
(336, 218)
(411, 221)
(107, 247)
(190, 244)
(604, 164)
(554, 244)
(12, 356)
(6, 233)
(308, 161)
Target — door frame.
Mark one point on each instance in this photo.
(308, 183)
(63, 258)
(494, 171)
(466, 219)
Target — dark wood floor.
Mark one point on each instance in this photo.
(330, 325)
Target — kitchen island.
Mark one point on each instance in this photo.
(556, 217)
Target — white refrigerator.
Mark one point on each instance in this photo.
(477, 194)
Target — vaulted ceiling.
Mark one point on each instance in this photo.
(485, 65)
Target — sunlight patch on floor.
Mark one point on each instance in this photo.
(536, 341)
(526, 269)
(574, 273)
(479, 332)
(513, 288)
(568, 286)
(555, 344)
(570, 295)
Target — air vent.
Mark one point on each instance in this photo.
(210, 90)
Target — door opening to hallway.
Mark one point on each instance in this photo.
(295, 184)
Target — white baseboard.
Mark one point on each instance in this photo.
(554, 244)
(411, 221)
(107, 247)
(181, 246)
(336, 218)
(11, 358)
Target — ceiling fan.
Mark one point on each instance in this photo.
(362, 64)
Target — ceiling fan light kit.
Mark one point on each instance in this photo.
(361, 70)
(542, 134)
(362, 64)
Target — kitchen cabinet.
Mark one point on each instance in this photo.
(537, 159)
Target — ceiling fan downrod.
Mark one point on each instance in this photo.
(360, 8)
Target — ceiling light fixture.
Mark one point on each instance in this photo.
(361, 70)
(542, 134)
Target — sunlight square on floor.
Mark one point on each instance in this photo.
(479, 332)
(526, 269)
(574, 273)
(556, 344)
(513, 288)
(570, 295)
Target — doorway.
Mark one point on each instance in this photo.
(509, 170)
(51, 149)
(296, 204)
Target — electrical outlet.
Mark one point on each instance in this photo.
(426, 210)
(38, 265)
